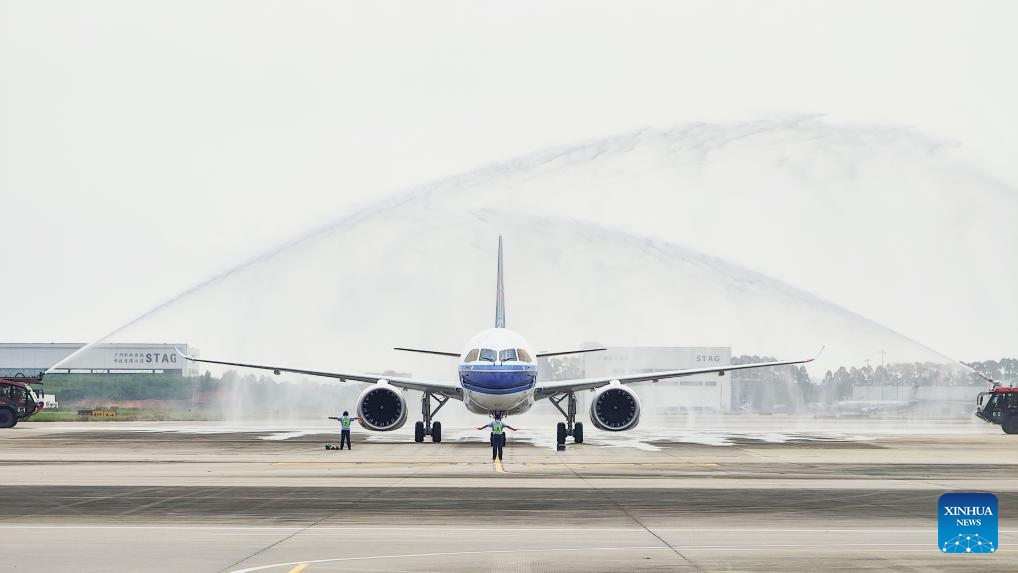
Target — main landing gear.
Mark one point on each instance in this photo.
(427, 427)
(570, 427)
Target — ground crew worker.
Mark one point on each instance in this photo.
(345, 421)
(497, 435)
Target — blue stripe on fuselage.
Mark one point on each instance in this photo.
(498, 378)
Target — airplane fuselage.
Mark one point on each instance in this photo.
(498, 372)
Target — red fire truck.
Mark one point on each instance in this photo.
(17, 399)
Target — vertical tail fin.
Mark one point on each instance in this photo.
(500, 291)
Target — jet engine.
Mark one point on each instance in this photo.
(615, 408)
(381, 408)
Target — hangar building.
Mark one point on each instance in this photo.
(700, 392)
(29, 358)
(705, 392)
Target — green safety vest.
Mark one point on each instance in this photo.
(497, 427)
(346, 422)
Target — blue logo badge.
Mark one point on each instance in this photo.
(967, 523)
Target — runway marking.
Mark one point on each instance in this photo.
(439, 554)
(439, 463)
(289, 536)
(458, 529)
(498, 467)
(299, 568)
(369, 463)
(636, 520)
(627, 464)
(803, 548)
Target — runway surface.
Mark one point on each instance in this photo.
(208, 497)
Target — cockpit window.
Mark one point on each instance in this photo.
(488, 355)
(472, 355)
(523, 355)
(507, 354)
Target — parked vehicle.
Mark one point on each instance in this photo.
(18, 401)
(999, 406)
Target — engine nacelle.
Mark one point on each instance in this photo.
(381, 408)
(615, 408)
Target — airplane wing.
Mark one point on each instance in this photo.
(550, 388)
(546, 354)
(422, 351)
(448, 389)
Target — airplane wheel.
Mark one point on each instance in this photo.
(436, 432)
(561, 433)
(7, 418)
(419, 432)
(578, 433)
(1010, 425)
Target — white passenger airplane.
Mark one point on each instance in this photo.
(498, 374)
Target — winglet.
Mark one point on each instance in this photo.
(500, 291)
(822, 348)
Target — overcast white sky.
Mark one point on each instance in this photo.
(144, 146)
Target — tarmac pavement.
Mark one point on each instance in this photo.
(175, 497)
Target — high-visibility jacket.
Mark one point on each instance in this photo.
(497, 427)
(345, 421)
